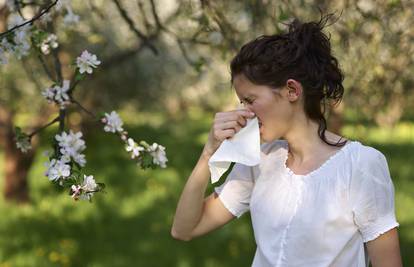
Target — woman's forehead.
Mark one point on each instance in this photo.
(244, 87)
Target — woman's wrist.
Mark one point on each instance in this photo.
(206, 154)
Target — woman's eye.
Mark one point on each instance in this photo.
(246, 101)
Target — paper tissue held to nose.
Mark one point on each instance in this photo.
(243, 147)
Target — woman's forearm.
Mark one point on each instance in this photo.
(190, 204)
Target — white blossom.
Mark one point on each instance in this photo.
(86, 61)
(13, 20)
(70, 18)
(65, 158)
(49, 94)
(80, 159)
(62, 4)
(133, 148)
(63, 139)
(5, 47)
(76, 191)
(71, 140)
(21, 37)
(49, 42)
(89, 184)
(57, 169)
(58, 94)
(113, 122)
(23, 144)
(3, 56)
(89, 187)
(71, 145)
(22, 45)
(158, 153)
(61, 95)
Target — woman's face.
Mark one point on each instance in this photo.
(271, 106)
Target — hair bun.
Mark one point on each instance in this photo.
(308, 35)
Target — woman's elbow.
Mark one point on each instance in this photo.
(177, 236)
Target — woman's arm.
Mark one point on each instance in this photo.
(196, 216)
(384, 251)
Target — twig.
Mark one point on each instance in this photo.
(184, 52)
(84, 109)
(43, 63)
(131, 25)
(128, 53)
(29, 21)
(30, 74)
(144, 16)
(18, 8)
(58, 66)
(44, 126)
(62, 115)
(96, 10)
(155, 15)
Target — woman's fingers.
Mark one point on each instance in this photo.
(229, 125)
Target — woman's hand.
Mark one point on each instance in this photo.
(225, 126)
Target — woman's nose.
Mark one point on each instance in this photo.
(245, 106)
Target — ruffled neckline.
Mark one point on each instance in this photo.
(312, 173)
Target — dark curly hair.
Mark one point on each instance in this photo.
(302, 53)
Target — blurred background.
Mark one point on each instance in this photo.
(165, 69)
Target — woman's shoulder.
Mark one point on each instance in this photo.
(368, 159)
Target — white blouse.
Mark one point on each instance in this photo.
(322, 218)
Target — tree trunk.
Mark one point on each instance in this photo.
(17, 164)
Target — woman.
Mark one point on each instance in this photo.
(314, 201)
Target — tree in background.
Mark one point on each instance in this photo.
(66, 161)
(173, 55)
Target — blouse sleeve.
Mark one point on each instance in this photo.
(236, 190)
(372, 195)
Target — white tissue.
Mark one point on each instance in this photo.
(243, 147)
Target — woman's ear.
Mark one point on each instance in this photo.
(294, 89)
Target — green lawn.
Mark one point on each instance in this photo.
(130, 225)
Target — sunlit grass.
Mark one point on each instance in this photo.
(401, 134)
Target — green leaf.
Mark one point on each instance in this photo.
(79, 76)
(18, 131)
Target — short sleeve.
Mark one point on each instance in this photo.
(236, 190)
(372, 194)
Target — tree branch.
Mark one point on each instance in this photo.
(45, 68)
(41, 13)
(155, 15)
(131, 25)
(83, 108)
(43, 127)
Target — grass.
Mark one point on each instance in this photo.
(130, 224)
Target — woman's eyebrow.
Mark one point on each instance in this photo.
(247, 96)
